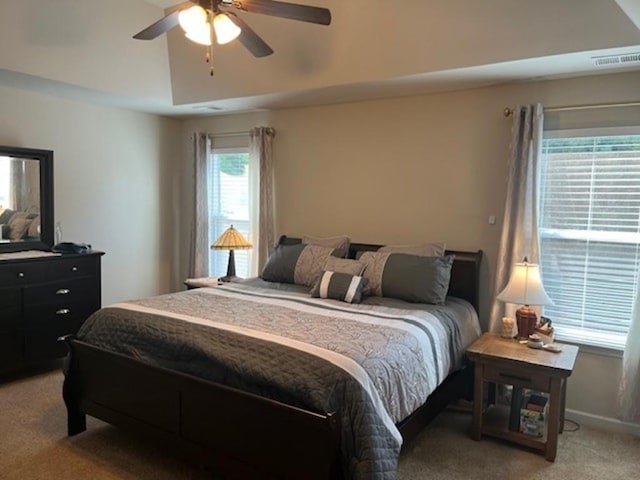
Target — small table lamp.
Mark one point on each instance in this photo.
(231, 240)
(525, 288)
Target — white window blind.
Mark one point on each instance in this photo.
(228, 205)
(589, 225)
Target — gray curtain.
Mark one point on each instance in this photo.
(199, 241)
(19, 186)
(520, 225)
(261, 153)
(629, 394)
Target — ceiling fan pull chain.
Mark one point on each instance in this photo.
(212, 15)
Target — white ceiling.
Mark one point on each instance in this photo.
(372, 49)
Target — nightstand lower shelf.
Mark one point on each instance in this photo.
(495, 424)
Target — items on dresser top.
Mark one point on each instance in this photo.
(42, 298)
(27, 254)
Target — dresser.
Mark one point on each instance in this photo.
(42, 299)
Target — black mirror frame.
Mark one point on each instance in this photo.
(45, 157)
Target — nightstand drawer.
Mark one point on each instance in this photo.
(516, 377)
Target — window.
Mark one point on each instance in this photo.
(229, 204)
(589, 225)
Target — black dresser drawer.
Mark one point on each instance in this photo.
(11, 349)
(77, 266)
(42, 334)
(17, 274)
(44, 344)
(70, 315)
(62, 293)
(11, 308)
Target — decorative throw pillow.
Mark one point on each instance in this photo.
(341, 241)
(422, 249)
(344, 265)
(18, 227)
(413, 278)
(34, 228)
(339, 286)
(300, 264)
(6, 215)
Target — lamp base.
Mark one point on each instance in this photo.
(526, 319)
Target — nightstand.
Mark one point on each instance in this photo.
(507, 361)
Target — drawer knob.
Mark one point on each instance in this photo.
(63, 311)
(63, 291)
(21, 275)
(74, 269)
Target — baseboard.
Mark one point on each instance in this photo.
(603, 423)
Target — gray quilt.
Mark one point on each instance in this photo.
(371, 364)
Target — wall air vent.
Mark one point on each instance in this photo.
(613, 60)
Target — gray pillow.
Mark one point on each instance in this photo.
(423, 249)
(413, 278)
(300, 264)
(344, 265)
(339, 286)
(341, 241)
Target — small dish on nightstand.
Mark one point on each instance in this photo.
(535, 341)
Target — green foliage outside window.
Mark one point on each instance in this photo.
(234, 163)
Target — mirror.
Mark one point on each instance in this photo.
(26, 199)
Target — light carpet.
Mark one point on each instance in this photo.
(34, 446)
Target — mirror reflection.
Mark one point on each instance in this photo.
(19, 200)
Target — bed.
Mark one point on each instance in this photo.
(259, 405)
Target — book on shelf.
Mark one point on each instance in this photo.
(536, 402)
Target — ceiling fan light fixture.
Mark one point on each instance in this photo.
(192, 19)
(200, 35)
(225, 29)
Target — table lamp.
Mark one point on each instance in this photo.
(231, 239)
(525, 288)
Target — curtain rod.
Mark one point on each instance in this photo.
(229, 134)
(509, 111)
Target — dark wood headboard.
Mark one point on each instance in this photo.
(465, 273)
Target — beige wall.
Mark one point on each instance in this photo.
(429, 167)
(113, 183)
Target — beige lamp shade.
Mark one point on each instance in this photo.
(525, 288)
(231, 239)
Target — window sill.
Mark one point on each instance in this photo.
(591, 349)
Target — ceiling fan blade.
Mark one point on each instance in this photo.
(293, 11)
(161, 26)
(250, 39)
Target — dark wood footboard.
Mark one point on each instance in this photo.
(239, 434)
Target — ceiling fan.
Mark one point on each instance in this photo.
(204, 19)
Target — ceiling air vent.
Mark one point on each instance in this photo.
(207, 107)
(611, 60)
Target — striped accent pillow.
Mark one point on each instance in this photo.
(339, 286)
